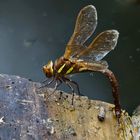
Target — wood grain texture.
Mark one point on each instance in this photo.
(28, 112)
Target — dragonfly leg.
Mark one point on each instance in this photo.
(75, 84)
(46, 85)
(68, 83)
(56, 86)
(46, 80)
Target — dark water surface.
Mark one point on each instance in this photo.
(34, 31)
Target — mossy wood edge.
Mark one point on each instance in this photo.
(28, 112)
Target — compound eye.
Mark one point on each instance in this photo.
(48, 69)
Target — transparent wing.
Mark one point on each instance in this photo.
(101, 46)
(94, 65)
(89, 65)
(85, 25)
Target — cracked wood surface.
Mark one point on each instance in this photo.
(28, 112)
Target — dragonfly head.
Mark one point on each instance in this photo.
(48, 69)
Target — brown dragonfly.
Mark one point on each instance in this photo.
(79, 58)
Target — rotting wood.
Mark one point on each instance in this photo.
(29, 113)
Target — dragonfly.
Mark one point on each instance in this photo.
(80, 58)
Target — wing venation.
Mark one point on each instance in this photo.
(101, 46)
(85, 25)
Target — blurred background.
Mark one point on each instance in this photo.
(32, 32)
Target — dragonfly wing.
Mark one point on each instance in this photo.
(85, 25)
(101, 46)
(95, 65)
(90, 65)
